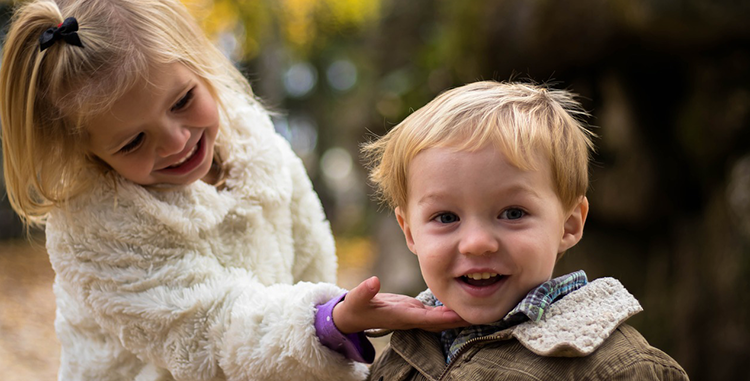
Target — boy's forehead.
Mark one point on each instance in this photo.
(533, 161)
(523, 158)
(450, 155)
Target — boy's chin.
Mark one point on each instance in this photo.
(481, 317)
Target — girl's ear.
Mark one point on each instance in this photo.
(573, 226)
(402, 221)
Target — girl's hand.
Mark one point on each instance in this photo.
(363, 308)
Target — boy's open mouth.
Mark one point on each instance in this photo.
(481, 279)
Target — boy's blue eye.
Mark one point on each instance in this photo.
(512, 214)
(447, 218)
(133, 144)
(183, 101)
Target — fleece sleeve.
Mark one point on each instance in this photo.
(178, 305)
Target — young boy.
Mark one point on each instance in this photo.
(488, 182)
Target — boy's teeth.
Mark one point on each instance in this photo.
(480, 276)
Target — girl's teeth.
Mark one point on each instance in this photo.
(480, 276)
(184, 159)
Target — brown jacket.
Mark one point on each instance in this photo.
(581, 337)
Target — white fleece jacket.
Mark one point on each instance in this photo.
(199, 283)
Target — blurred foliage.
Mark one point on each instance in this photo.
(302, 25)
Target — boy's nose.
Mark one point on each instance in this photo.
(478, 240)
(173, 139)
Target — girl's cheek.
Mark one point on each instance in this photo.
(207, 110)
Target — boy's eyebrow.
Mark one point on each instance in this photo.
(428, 197)
(510, 190)
(518, 188)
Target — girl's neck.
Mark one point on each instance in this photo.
(215, 175)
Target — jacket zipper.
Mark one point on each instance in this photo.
(462, 349)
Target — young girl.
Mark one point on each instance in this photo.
(184, 232)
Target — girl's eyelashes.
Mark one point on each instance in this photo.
(446, 218)
(183, 101)
(136, 142)
(133, 144)
(512, 213)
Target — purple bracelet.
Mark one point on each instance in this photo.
(354, 346)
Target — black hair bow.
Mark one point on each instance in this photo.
(67, 31)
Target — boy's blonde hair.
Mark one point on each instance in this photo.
(47, 96)
(520, 119)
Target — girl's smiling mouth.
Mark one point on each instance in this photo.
(186, 158)
(191, 160)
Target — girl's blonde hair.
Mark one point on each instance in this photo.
(47, 96)
(520, 119)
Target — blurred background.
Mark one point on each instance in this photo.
(667, 83)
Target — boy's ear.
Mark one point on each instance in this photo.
(573, 227)
(401, 218)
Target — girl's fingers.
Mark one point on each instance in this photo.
(347, 315)
(442, 319)
(361, 295)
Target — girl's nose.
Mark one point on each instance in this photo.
(478, 239)
(172, 139)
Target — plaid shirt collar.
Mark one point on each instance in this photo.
(532, 308)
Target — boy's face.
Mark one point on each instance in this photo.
(485, 231)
